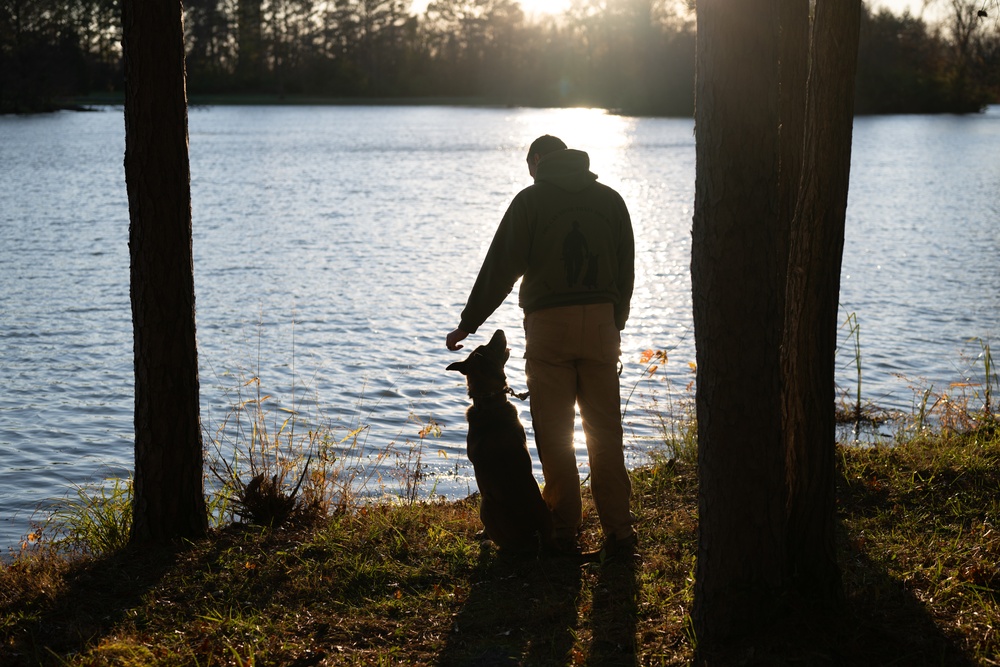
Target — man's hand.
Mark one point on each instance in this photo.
(455, 337)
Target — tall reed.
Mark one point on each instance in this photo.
(854, 334)
(266, 464)
(989, 376)
(271, 468)
(673, 415)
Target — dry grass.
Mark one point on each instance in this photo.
(409, 584)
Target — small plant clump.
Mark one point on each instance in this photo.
(95, 519)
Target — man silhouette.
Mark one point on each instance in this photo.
(552, 229)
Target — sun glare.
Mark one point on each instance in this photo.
(604, 136)
(593, 127)
(530, 7)
(539, 7)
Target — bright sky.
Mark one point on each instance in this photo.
(529, 6)
(558, 6)
(936, 8)
(899, 6)
(544, 6)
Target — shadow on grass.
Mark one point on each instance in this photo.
(517, 612)
(65, 617)
(883, 620)
(880, 624)
(885, 624)
(539, 612)
(614, 616)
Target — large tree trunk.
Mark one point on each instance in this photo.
(169, 500)
(737, 301)
(810, 337)
(770, 203)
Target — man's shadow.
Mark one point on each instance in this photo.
(614, 614)
(518, 611)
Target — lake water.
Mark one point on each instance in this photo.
(335, 246)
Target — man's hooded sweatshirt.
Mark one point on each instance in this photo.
(568, 236)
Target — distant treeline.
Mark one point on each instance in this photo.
(636, 56)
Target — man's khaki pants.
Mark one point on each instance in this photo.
(571, 358)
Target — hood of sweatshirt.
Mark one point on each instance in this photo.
(568, 169)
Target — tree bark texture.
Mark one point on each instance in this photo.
(737, 298)
(168, 487)
(810, 337)
(793, 64)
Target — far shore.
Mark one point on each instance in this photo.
(90, 101)
(274, 99)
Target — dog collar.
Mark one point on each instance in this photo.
(506, 391)
(485, 398)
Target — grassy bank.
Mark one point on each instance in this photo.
(409, 584)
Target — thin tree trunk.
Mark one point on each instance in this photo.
(169, 500)
(810, 337)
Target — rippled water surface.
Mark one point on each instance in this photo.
(334, 249)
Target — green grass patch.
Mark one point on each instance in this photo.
(409, 584)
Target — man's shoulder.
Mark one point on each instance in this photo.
(607, 188)
(608, 192)
(543, 188)
(542, 193)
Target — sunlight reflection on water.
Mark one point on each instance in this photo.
(335, 247)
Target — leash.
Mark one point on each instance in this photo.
(522, 396)
(506, 391)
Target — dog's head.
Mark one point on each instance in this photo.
(483, 368)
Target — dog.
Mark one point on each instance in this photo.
(512, 510)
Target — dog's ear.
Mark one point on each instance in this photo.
(457, 366)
